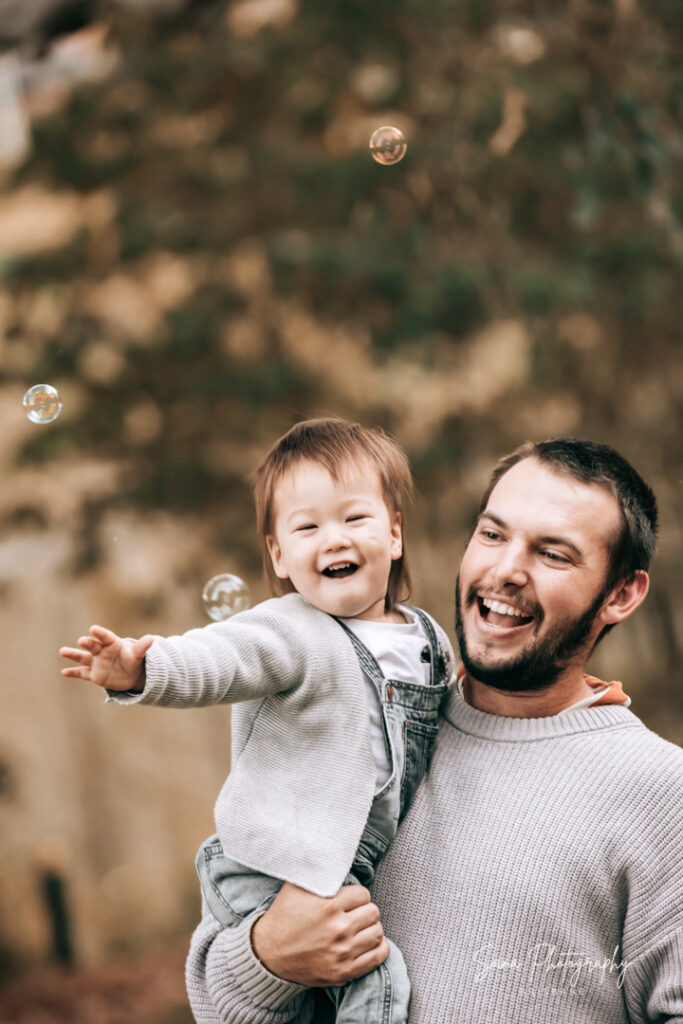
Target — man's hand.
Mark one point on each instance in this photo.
(108, 660)
(317, 941)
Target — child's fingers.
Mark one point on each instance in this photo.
(89, 643)
(75, 654)
(82, 672)
(105, 636)
(142, 645)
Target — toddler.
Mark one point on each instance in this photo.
(337, 689)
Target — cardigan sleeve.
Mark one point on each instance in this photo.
(254, 654)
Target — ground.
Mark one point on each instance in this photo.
(147, 992)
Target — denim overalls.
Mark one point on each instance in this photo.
(410, 713)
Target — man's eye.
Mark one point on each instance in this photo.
(554, 556)
(488, 534)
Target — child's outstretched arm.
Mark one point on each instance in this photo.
(255, 654)
(108, 660)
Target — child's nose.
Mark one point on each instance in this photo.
(335, 537)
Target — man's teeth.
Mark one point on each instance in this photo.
(502, 609)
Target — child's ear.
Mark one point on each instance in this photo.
(276, 557)
(396, 536)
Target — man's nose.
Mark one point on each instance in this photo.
(512, 566)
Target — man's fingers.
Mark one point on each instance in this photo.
(369, 939)
(359, 912)
(351, 896)
(362, 917)
(368, 961)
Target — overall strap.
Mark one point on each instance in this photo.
(438, 662)
(368, 662)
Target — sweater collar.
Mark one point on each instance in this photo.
(505, 728)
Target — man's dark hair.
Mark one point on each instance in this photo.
(592, 463)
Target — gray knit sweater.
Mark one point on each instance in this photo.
(537, 877)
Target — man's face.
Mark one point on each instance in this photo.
(531, 584)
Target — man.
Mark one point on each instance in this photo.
(539, 871)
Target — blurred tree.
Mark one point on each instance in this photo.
(237, 261)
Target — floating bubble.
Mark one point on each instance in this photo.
(225, 595)
(42, 403)
(388, 145)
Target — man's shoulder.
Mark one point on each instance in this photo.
(650, 765)
(645, 737)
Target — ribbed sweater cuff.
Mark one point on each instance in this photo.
(232, 947)
(123, 696)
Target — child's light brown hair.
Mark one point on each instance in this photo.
(335, 444)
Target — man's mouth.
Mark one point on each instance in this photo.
(340, 571)
(500, 613)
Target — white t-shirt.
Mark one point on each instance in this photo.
(403, 652)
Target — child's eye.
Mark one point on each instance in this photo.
(356, 518)
(304, 527)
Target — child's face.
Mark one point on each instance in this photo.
(335, 539)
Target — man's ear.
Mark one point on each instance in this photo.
(396, 536)
(625, 598)
(276, 557)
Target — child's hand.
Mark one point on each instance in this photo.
(108, 660)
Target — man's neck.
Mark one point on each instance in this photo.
(565, 691)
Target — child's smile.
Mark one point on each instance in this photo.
(341, 571)
(335, 540)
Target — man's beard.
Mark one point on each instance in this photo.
(541, 664)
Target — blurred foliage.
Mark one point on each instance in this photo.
(540, 187)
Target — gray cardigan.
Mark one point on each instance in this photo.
(302, 779)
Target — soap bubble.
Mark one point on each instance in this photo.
(388, 145)
(225, 595)
(42, 403)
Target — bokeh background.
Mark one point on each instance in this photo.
(197, 250)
